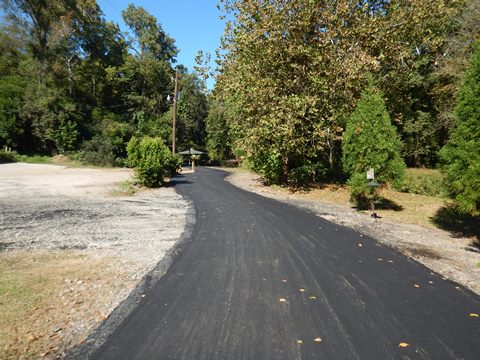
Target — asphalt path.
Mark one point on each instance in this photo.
(261, 279)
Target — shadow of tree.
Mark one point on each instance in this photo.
(381, 203)
(459, 225)
(387, 204)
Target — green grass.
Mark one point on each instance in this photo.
(127, 188)
(423, 182)
(33, 159)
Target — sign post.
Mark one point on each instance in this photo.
(372, 184)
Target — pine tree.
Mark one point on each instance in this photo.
(461, 155)
(370, 141)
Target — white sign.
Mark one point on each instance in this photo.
(371, 174)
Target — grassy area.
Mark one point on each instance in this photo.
(64, 160)
(424, 182)
(414, 206)
(33, 159)
(42, 293)
(128, 188)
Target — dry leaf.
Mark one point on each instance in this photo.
(282, 300)
(404, 344)
(31, 338)
(317, 339)
(473, 315)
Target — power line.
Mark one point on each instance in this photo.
(113, 7)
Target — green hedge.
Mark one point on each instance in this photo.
(152, 160)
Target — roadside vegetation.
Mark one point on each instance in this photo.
(310, 96)
(324, 104)
(73, 84)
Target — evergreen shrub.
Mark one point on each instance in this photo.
(370, 141)
(461, 155)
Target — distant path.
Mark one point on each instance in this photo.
(235, 292)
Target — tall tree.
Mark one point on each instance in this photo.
(296, 69)
(149, 35)
(461, 156)
(192, 112)
(218, 137)
(370, 140)
(292, 69)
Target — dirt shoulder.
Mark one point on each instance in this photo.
(70, 251)
(434, 248)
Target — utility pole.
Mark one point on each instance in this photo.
(174, 127)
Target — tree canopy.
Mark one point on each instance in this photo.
(70, 81)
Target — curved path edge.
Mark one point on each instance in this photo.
(98, 337)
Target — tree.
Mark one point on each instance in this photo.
(191, 112)
(218, 138)
(461, 155)
(370, 140)
(149, 35)
(291, 70)
(296, 69)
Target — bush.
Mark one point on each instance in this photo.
(303, 175)
(133, 152)
(423, 182)
(153, 160)
(360, 193)
(98, 151)
(6, 156)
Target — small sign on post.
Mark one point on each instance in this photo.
(371, 174)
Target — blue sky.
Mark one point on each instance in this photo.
(194, 24)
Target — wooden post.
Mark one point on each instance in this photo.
(174, 126)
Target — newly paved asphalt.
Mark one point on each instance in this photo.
(235, 291)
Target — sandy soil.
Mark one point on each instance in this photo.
(46, 210)
(434, 248)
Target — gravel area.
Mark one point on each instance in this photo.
(53, 208)
(434, 248)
